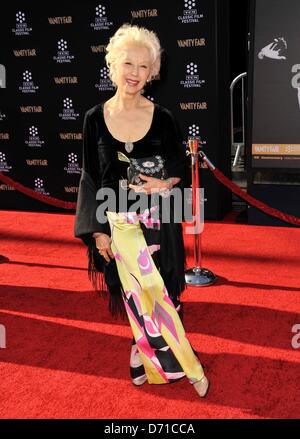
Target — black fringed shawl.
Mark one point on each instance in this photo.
(100, 169)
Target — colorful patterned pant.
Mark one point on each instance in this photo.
(160, 348)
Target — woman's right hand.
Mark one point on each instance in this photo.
(103, 242)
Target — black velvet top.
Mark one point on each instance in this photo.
(101, 168)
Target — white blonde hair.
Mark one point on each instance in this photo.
(128, 35)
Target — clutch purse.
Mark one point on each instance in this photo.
(153, 166)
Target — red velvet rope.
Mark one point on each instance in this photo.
(250, 200)
(33, 194)
(218, 174)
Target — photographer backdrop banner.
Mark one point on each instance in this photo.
(53, 70)
(274, 141)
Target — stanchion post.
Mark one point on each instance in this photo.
(197, 276)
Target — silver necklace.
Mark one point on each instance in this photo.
(129, 146)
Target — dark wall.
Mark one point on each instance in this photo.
(273, 145)
(54, 56)
(238, 10)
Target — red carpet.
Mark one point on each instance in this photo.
(66, 357)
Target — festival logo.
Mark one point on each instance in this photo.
(34, 138)
(28, 84)
(39, 186)
(104, 83)
(101, 21)
(190, 13)
(4, 167)
(22, 27)
(72, 166)
(68, 110)
(194, 132)
(63, 54)
(275, 50)
(192, 79)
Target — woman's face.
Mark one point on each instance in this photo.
(133, 69)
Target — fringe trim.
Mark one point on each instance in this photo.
(95, 276)
(98, 271)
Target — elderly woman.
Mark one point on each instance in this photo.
(136, 258)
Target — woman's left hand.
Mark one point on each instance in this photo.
(151, 184)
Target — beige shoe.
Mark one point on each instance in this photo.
(202, 386)
(140, 380)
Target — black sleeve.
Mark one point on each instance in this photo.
(85, 219)
(177, 162)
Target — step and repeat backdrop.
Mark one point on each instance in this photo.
(274, 143)
(52, 69)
